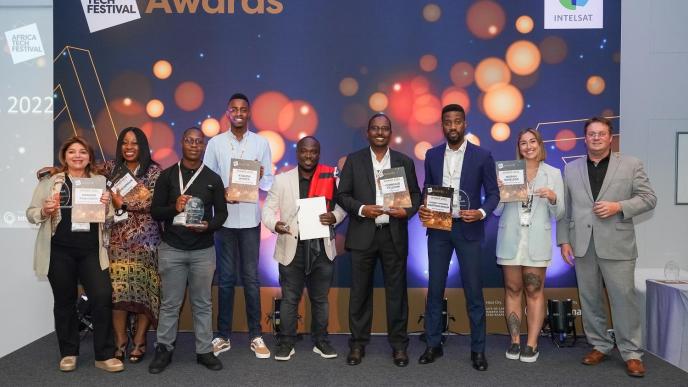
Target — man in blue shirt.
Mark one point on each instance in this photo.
(238, 240)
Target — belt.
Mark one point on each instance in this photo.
(381, 225)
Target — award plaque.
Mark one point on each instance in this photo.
(86, 205)
(194, 211)
(394, 188)
(244, 180)
(438, 199)
(61, 194)
(512, 173)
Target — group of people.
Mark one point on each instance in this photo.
(141, 260)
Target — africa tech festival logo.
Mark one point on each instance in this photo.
(573, 4)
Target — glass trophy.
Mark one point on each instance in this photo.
(194, 211)
(464, 202)
(671, 271)
(61, 194)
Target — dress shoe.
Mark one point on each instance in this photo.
(355, 356)
(595, 357)
(400, 358)
(110, 365)
(162, 359)
(209, 360)
(635, 367)
(479, 361)
(430, 354)
(68, 363)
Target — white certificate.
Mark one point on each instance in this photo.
(244, 176)
(125, 184)
(438, 203)
(309, 218)
(87, 195)
(392, 185)
(511, 177)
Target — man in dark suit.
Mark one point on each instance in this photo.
(375, 232)
(467, 168)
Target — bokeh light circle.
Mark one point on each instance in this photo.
(266, 109)
(189, 96)
(432, 13)
(503, 104)
(491, 72)
(348, 86)
(456, 95)
(378, 102)
(296, 119)
(553, 49)
(500, 131)
(210, 127)
(428, 63)
(485, 19)
(461, 74)
(595, 85)
(523, 57)
(427, 109)
(155, 108)
(165, 157)
(565, 140)
(524, 24)
(159, 135)
(420, 85)
(162, 69)
(400, 103)
(423, 132)
(132, 85)
(420, 149)
(276, 142)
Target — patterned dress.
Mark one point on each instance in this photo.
(133, 251)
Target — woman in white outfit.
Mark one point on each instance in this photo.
(524, 243)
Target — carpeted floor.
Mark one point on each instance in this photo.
(36, 365)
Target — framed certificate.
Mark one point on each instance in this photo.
(86, 205)
(244, 176)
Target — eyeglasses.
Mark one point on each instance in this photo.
(192, 141)
(597, 134)
(379, 128)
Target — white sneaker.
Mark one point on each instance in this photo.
(220, 345)
(259, 348)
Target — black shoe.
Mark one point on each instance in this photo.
(400, 358)
(209, 360)
(324, 349)
(430, 354)
(479, 361)
(162, 359)
(355, 356)
(284, 351)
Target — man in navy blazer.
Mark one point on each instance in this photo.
(468, 169)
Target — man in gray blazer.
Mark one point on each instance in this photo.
(603, 193)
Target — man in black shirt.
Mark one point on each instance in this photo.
(303, 262)
(187, 252)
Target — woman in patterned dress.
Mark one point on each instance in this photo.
(133, 244)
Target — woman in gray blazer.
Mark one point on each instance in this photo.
(524, 243)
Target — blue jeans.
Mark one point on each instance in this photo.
(441, 244)
(237, 249)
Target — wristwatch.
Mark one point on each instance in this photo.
(121, 211)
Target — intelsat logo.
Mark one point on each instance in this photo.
(24, 43)
(102, 14)
(572, 14)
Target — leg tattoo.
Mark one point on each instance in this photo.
(532, 281)
(513, 324)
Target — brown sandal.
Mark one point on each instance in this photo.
(135, 358)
